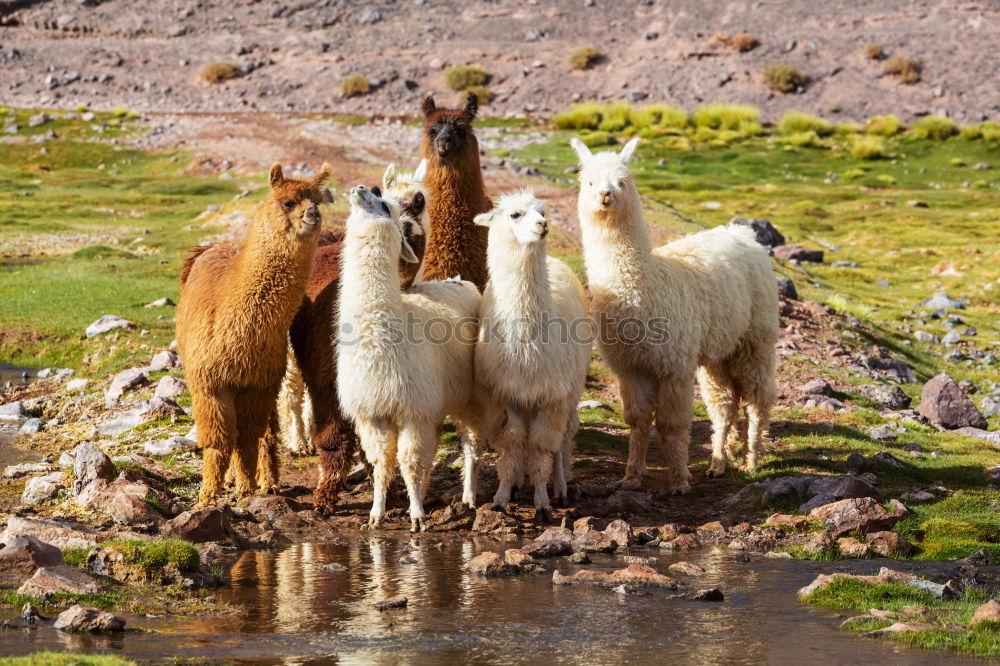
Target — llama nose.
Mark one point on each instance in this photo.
(605, 198)
(545, 228)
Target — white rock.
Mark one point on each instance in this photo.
(108, 323)
(14, 412)
(77, 384)
(170, 446)
(31, 426)
(42, 488)
(169, 387)
(165, 360)
(26, 469)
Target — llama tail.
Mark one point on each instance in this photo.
(192, 257)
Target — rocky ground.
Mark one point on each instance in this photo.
(293, 55)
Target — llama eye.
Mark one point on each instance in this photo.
(621, 183)
(514, 216)
(590, 184)
(289, 205)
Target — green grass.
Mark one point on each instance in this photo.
(949, 618)
(65, 659)
(957, 526)
(155, 555)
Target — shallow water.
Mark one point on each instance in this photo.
(15, 375)
(300, 615)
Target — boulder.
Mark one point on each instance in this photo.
(593, 542)
(584, 525)
(31, 426)
(26, 469)
(42, 488)
(798, 253)
(165, 360)
(520, 561)
(620, 532)
(199, 526)
(85, 618)
(126, 380)
(851, 547)
(946, 405)
(56, 533)
(681, 542)
(489, 564)
(862, 514)
(91, 464)
(886, 395)
(543, 549)
(170, 387)
(818, 387)
(688, 568)
(765, 232)
(561, 534)
(50, 580)
(22, 556)
(787, 288)
(270, 507)
(988, 612)
(890, 367)
(14, 412)
(169, 446)
(108, 323)
(990, 436)
(129, 509)
(889, 544)
(785, 520)
(843, 487)
(942, 300)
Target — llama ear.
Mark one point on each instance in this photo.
(324, 174)
(428, 106)
(389, 177)
(406, 252)
(471, 105)
(485, 219)
(276, 177)
(417, 204)
(626, 155)
(582, 152)
(421, 173)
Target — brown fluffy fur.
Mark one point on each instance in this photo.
(232, 324)
(456, 245)
(312, 340)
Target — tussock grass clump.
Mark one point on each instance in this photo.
(483, 94)
(874, 52)
(804, 139)
(585, 57)
(740, 42)
(217, 72)
(463, 77)
(854, 174)
(867, 147)
(783, 78)
(887, 125)
(355, 85)
(661, 119)
(586, 115)
(65, 659)
(665, 115)
(616, 117)
(153, 556)
(598, 139)
(937, 128)
(988, 130)
(907, 70)
(845, 129)
(737, 117)
(955, 527)
(796, 123)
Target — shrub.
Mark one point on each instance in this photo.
(854, 174)
(874, 52)
(584, 57)
(217, 72)
(152, 556)
(615, 117)
(354, 85)
(783, 78)
(867, 147)
(803, 139)
(598, 139)
(956, 162)
(119, 111)
(582, 116)
(845, 129)
(907, 70)
(795, 123)
(937, 128)
(463, 77)
(667, 116)
(887, 125)
(727, 116)
(482, 93)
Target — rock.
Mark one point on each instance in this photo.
(952, 337)
(593, 542)
(561, 533)
(125, 380)
(50, 580)
(165, 360)
(993, 437)
(919, 497)
(944, 404)
(882, 434)
(455, 516)
(22, 556)
(592, 404)
(818, 387)
(170, 446)
(709, 594)
(899, 509)
(14, 412)
(988, 612)
(620, 532)
(924, 336)
(488, 520)
(77, 384)
(900, 627)
(947, 590)
(146, 411)
(942, 300)
(160, 303)
(681, 542)
(889, 544)
(371, 16)
(886, 459)
(580, 526)
(393, 602)
(713, 529)
(85, 618)
(270, 507)
(579, 558)
(42, 488)
(635, 559)
(26, 469)
(31, 426)
(520, 562)
(843, 487)
(851, 547)
(91, 464)
(688, 568)
(38, 119)
(199, 526)
(767, 234)
(332, 567)
(886, 395)
(128, 509)
(890, 367)
(542, 549)
(56, 533)
(669, 531)
(798, 253)
(787, 288)
(489, 564)
(108, 323)
(863, 514)
(797, 523)
(629, 501)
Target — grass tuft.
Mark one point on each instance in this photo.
(937, 128)
(355, 85)
(65, 659)
(907, 70)
(794, 122)
(887, 125)
(155, 555)
(867, 147)
(463, 77)
(737, 117)
(783, 78)
(217, 72)
(584, 57)
(874, 52)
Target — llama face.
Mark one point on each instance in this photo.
(521, 214)
(369, 209)
(449, 131)
(604, 177)
(297, 201)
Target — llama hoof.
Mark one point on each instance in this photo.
(748, 469)
(715, 473)
(680, 490)
(631, 484)
(543, 515)
(373, 524)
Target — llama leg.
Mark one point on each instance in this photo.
(253, 413)
(379, 443)
(545, 439)
(737, 440)
(290, 403)
(754, 368)
(509, 443)
(470, 454)
(267, 460)
(215, 416)
(721, 402)
(308, 423)
(673, 421)
(336, 443)
(417, 444)
(564, 458)
(638, 393)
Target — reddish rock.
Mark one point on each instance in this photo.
(640, 574)
(520, 561)
(90, 465)
(22, 556)
(712, 529)
(851, 547)
(681, 542)
(587, 523)
(57, 533)
(127, 509)
(988, 612)
(945, 404)
(488, 520)
(862, 514)
(799, 253)
(199, 526)
(489, 564)
(59, 578)
(688, 568)
(669, 532)
(85, 618)
(593, 542)
(560, 534)
(784, 520)
(889, 544)
(541, 549)
(620, 532)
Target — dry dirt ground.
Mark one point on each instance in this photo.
(148, 55)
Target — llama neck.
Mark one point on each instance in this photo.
(520, 280)
(369, 281)
(616, 247)
(271, 273)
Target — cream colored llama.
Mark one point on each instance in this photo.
(533, 350)
(707, 300)
(404, 358)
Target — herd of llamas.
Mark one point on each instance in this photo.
(435, 303)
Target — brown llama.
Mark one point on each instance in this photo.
(312, 340)
(235, 309)
(456, 246)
